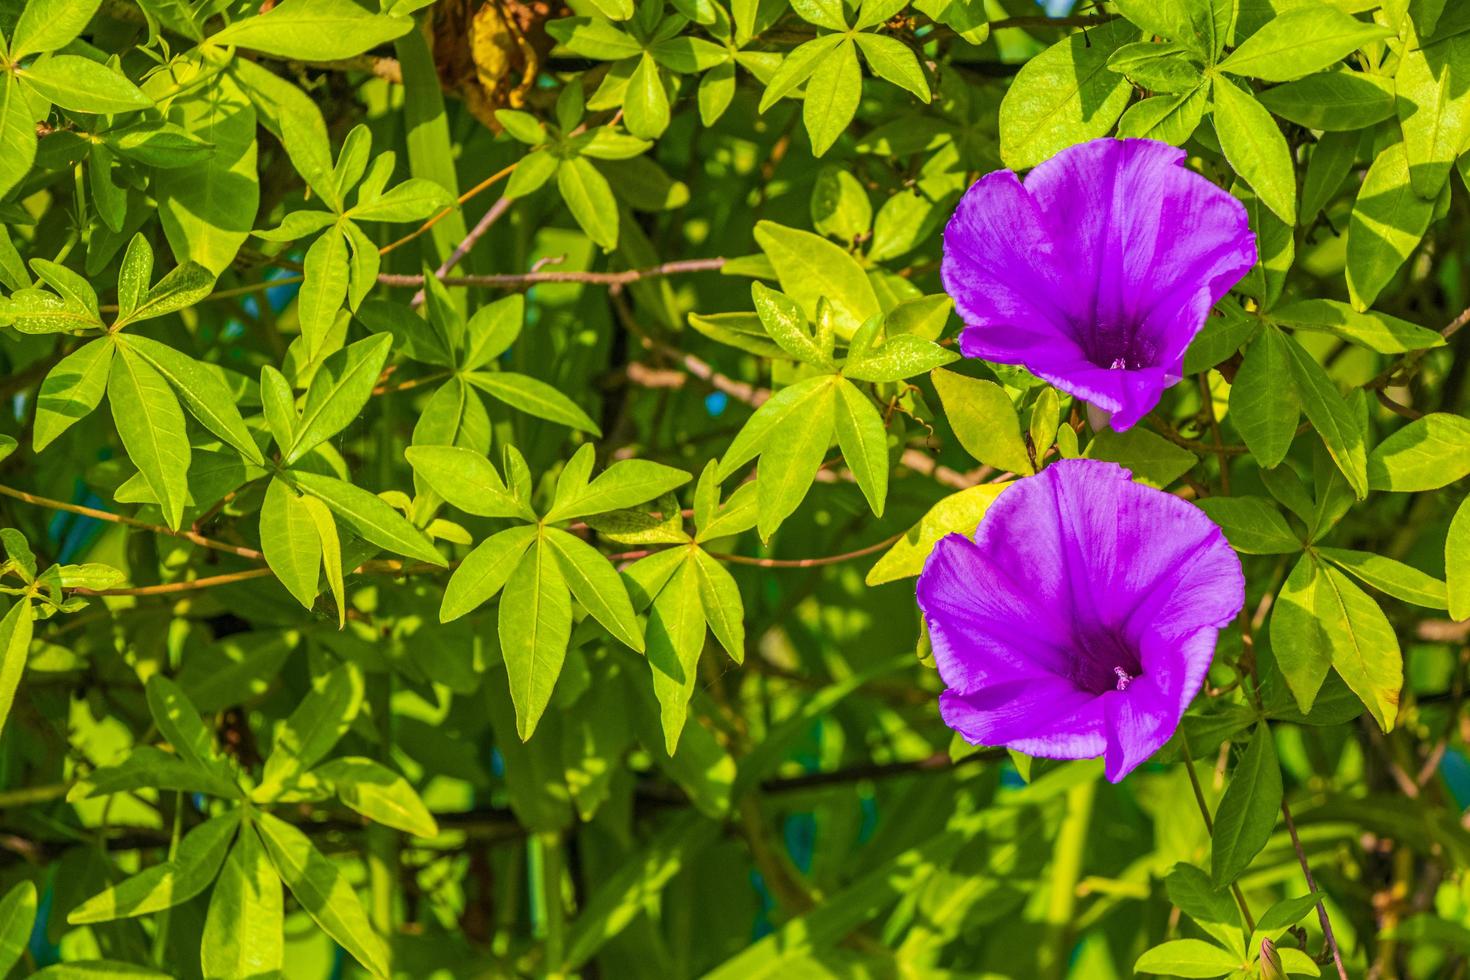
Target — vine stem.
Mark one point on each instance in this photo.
(1204, 812)
(1322, 919)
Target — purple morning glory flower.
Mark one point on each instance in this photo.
(1082, 618)
(1098, 271)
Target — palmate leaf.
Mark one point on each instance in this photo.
(309, 733)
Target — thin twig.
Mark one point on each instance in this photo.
(463, 248)
(103, 515)
(1301, 856)
(168, 588)
(517, 280)
(483, 185)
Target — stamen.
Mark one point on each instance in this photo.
(1124, 678)
(1119, 364)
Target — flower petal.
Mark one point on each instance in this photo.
(998, 267)
(1148, 245)
(1049, 716)
(974, 611)
(1098, 271)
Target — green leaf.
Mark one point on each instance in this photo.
(1248, 810)
(189, 872)
(467, 480)
(791, 458)
(331, 547)
(323, 892)
(17, 132)
(202, 390)
(811, 268)
(895, 61)
(1169, 67)
(1335, 101)
(797, 67)
(379, 793)
(1264, 404)
(1299, 638)
(1300, 41)
(313, 30)
(646, 105)
(723, 608)
(590, 199)
(959, 513)
(1064, 96)
(1187, 958)
(484, 571)
(864, 442)
(83, 85)
(1433, 106)
(1252, 525)
(594, 38)
(289, 539)
(208, 208)
(1170, 119)
(243, 927)
(620, 896)
(832, 96)
(413, 200)
(596, 585)
(151, 425)
(1428, 453)
(1331, 416)
(324, 290)
(369, 515)
(984, 420)
(626, 483)
(45, 25)
(179, 722)
(534, 397)
(317, 724)
(1388, 220)
(785, 323)
(1365, 650)
(71, 390)
(1393, 577)
(16, 630)
(675, 638)
(1457, 563)
(535, 628)
(1191, 891)
(339, 390)
(1375, 331)
(1254, 146)
(1154, 460)
(1204, 26)
(17, 916)
(901, 356)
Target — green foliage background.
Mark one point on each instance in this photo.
(412, 606)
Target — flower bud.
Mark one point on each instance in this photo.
(1271, 968)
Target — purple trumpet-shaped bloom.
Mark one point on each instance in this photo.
(1097, 271)
(1082, 618)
